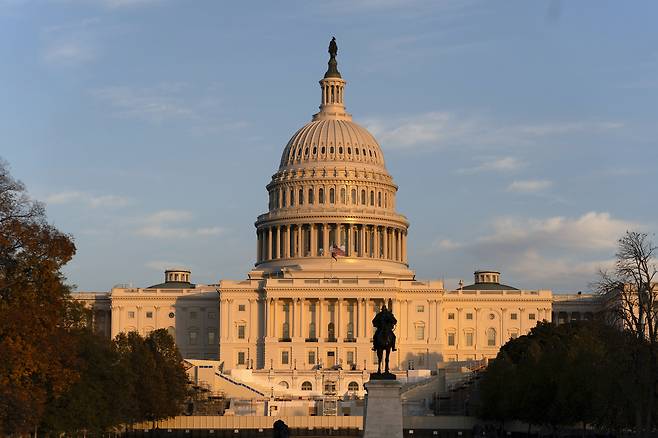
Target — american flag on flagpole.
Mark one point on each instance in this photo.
(337, 251)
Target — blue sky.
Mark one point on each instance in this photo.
(522, 134)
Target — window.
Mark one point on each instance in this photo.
(171, 331)
(332, 196)
(211, 315)
(311, 357)
(149, 314)
(372, 197)
(451, 316)
(241, 358)
(354, 196)
(420, 308)
(131, 314)
(310, 196)
(343, 199)
(285, 358)
(469, 316)
(284, 196)
(491, 337)
(350, 357)
(353, 386)
(379, 199)
(192, 315)
(307, 386)
(363, 197)
(193, 337)
(513, 316)
(301, 196)
(211, 337)
(292, 198)
(531, 316)
(241, 307)
(451, 339)
(469, 339)
(171, 314)
(320, 196)
(283, 384)
(241, 331)
(420, 332)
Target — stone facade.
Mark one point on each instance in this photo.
(330, 250)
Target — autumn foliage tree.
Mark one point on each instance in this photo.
(36, 315)
(56, 375)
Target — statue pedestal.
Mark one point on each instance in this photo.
(383, 418)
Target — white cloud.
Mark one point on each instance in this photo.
(165, 224)
(440, 129)
(504, 164)
(555, 250)
(68, 52)
(88, 199)
(154, 104)
(529, 186)
(161, 266)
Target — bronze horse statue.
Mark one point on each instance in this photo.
(384, 340)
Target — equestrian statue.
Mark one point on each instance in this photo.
(384, 341)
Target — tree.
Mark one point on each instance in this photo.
(558, 376)
(36, 314)
(631, 297)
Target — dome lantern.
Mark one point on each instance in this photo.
(332, 105)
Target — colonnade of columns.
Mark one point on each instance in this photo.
(316, 240)
(321, 319)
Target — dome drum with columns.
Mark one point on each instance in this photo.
(332, 189)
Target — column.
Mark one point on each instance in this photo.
(377, 243)
(385, 241)
(229, 304)
(362, 240)
(301, 318)
(258, 246)
(339, 320)
(364, 316)
(314, 239)
(275, 331)
(404, 247)
(269, 243)
(325, 240)
(286, 241)
(321, 319)
(278, 242)
(348, 240)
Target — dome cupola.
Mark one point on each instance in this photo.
(332, 199)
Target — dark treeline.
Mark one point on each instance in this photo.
(55, 374)
(563, 376)
(601, 373)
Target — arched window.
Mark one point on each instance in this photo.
(321, 196)
(372, 198)
(283, 384)
(363, 197)
(356, 150)
(301, 196)
(315, 150)
(307, 386)
(172, 332)
(331, 150)
(353, 386)
(292, 198)
(340, 150)
(343, 200)
(349, 151)
(322, 150)
(491, 337)
(284, 201)
(306, 152)
(385, 200)
(310, 196)
(379, 199)
(354, 196)
(332, 196)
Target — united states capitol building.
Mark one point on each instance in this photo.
(330, 250)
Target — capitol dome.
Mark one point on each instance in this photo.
(332, 199)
